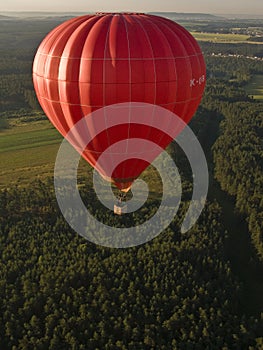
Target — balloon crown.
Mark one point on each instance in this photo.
(118, 13)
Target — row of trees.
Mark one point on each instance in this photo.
(237, 152)
(238, 162)
(251, 50)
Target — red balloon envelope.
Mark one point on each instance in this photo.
(94, 61)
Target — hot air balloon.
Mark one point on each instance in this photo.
(104, 59)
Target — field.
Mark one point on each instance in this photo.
(255, 87)
(28, 152)
(221, 38)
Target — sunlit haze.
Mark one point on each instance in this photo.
(205, 6)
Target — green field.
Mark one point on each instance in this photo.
(27, 152)
(221, 38)
(255, 87)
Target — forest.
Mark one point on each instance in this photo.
(179, 291)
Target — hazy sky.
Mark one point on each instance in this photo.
(207, 6)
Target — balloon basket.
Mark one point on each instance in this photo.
(120, 207)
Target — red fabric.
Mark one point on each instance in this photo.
(93, 61)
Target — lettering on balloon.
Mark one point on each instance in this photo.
(197, 82)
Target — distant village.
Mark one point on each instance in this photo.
(255, 58)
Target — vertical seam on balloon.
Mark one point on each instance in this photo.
(171, 50)
(59, 34)
(191, 64)
(153, 58)
(170, 47)
(84, 125)
(103, 81)
(94, 20)
(136, 161)
(186, 56)
(176, 81)
(155, 74)
(129, 61)
(66, 87)
(75, 23)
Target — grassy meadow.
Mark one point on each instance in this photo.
(221, 38)
(255, 87)
(27, 152)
